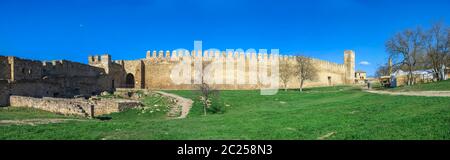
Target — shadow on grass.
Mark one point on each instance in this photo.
(103, 118)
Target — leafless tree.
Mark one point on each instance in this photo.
(304, 70)
(286, 72)
(382, 70)
(206, 91)
(447, 63)
(437, 47)
(405, 47)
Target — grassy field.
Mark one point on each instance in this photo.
(327, 113)
(435, 86)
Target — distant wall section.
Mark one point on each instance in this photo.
(154, 71)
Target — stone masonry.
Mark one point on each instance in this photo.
(66, 79)
(154, 71)
(75, 106)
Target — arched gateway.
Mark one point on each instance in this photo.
(129, 81)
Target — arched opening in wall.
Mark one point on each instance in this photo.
(129, 81)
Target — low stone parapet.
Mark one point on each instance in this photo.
(56, 105)
(75, 106)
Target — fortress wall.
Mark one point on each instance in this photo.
(57, 87)
(324, 69)
(158, 68)
(157, 75)
(136, 68)
(23, 69)
(4, 93)
(34, 88)
(66, 79)
(5, 69)
(334, 71)
(117, 74)
(55, 79)
(71, 69)
(76, 78)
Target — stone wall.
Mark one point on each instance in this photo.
(55, 105)
(4, 93)
(71, 69)
(59, 78)
(117, 74)
(75, 106)
(154, 71)
(107, 106)
(5, 69)
(68, 79)
(136, 68)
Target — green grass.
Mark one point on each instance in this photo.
(346, 111)
(17, 113)
(432, 86)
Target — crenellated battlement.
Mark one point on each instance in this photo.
(105, 58)
(178, 55)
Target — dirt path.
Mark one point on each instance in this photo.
(414, 93)
(34, 122)
(185, 103)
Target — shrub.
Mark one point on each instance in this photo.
(216, 106)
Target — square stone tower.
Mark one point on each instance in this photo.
(349, 63)
(103, 61)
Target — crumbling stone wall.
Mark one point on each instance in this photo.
(107, 106)
(5, 69)
(24, 69)
(75, 106)
(115, 71)
(55, 105)
(4, 93)
(51, 79)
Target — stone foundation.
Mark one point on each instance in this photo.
(78, 107)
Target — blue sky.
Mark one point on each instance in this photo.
(126, 29)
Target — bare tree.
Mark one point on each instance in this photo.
(206, 91)
(207, 94)
(305, 70)
(382, 70)
(437, 47)
(447, 59)
(286, 72)
(406, 47)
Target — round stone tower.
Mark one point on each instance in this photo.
(349, 62)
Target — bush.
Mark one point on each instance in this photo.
(217, 106)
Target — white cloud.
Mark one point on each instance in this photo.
(364, 63)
